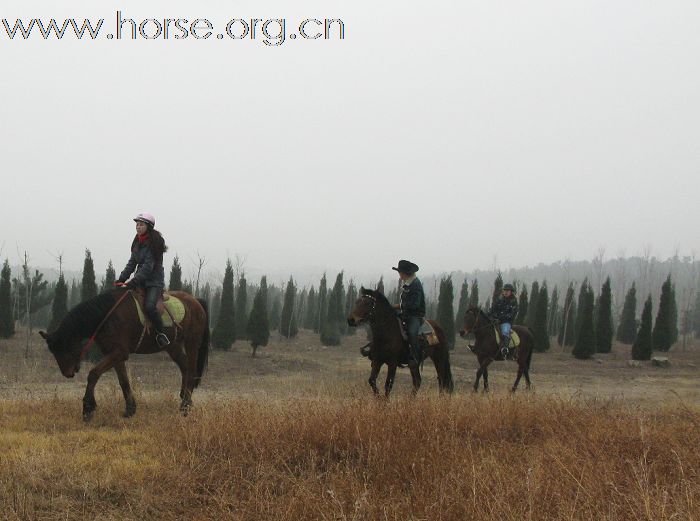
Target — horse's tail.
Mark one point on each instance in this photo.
(203, 354)
(445, 371)
(532, 347)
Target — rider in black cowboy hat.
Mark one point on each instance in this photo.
(411, 307)
(504, 311)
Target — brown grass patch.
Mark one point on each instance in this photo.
(435, 457)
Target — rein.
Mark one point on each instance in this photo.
(479, 313)
(91, 340)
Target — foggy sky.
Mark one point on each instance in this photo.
(455, 134)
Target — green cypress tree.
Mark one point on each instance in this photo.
(497, 287)
(665, 331)
(627, 329)
(582, 296)
(695, 320)
(224, 334)
(474, 294)
(330, 331)
(604, 322)
(275, 309)
(532, 305)
(175, 282)
(215, 306)
(445, 309)
(539, 321)
(74, 298)
(522, 306)
(584, 347)
(553, 317)
(322, 307)
(463, 303)
(288, 323)
(108, 281)
(241, 307)
(89, 285)
(59, 306)
(567, 335)
(311, 310)
(643, 343)
(7, 321)
(350, 300)
(258, 328)
(380, 284)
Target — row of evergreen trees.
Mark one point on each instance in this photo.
(584, 323)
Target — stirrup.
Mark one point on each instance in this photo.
(162, 339)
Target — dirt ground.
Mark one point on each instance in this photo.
(303, 367)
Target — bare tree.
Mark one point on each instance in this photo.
(201, 261)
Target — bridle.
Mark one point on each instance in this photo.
(370, 316)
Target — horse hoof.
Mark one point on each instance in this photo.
(87, 416)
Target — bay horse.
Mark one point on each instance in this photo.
(111, 319)
(389, 347)
(487, 349)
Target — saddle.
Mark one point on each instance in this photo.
(171, 308)
(514, 337)
(426, 335)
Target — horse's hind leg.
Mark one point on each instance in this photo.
(390, 375)
(376, 366)
(177, 353)
(517, 378)
(192, 352)
(120, 369)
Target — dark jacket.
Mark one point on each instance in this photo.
(149, 271)
(413, 299)
(505, 309)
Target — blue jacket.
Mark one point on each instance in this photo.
(149, 272)
(413, 299)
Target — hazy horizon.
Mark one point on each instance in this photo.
(460, 136)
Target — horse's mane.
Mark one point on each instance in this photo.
(377, 295)
(83, 319)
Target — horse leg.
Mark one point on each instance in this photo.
(415, 375)
(486, 379)
(390, 375)
(479, 372)
(177, 353)
(104, 365)
(483, 370)
(120, 369)
(526, 371)
(192, 351)
(376, 366)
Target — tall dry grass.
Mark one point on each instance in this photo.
(434, 457)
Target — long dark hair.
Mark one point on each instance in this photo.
(155, 241)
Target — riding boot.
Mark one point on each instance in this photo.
(413, 355)
(157, 321)
(505, 340)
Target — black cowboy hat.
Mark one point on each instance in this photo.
(406, 267)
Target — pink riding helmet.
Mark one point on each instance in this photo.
(147, 218)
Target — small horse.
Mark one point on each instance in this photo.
(487, 349)
(388, 344)
(111, 320)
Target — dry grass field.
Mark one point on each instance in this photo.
(294, 434)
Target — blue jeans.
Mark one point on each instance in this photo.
(505, 329)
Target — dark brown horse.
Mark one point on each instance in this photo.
(119, 333)
(389, 347)
(486, 346)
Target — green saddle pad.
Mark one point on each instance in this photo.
(174, 305)
(514, 338)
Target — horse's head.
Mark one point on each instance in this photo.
(66, 353)
(471, 321)
(363, 310)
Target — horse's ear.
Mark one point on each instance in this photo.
(44, 335)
